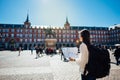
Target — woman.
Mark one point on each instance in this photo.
(82, 59)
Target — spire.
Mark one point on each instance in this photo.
(67, 20)
(27, 24)
(67, 24)
(27, 19)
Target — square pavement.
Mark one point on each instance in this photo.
(26, 67)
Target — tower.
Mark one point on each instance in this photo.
(67, 24)
(27, 24)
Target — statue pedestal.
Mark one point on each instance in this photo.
(50, 43)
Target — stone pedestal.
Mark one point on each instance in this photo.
(50, 43)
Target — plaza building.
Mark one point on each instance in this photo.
(114, 34)
(13, 36)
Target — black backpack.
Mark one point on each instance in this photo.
(99, 62)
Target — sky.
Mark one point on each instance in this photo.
(102, 13)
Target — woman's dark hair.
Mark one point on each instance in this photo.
(85, 34)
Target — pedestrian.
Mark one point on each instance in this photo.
(110, 48)
(32, 50)
(83, 56)
(41, 50)
(117, 55)
(37, 51)
(19, 51)
(62, 55)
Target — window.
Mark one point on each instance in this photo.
(30, 30)
(3, 39)
(26, 35)
(6, 30)
(12, 30)
(59, 40)
(12, 35)
(38, 40)
(35, 30)
(64, 31)
(67, 40)
(30, 35)
(25, 40)
(39, 35)
(34, 40)
(21, 30)
(59, 31)
(43, 35)
(30, 40)
(7, 35)
(39, 31)
(71, 31)
(63, 36)
(3, 35)
(3, 30)
(21, 40)
(91, 36)
(59, 35)
(71, 40)
(55, 31)
(67, 36)
(63, 40)
(26, 30)
(74, 36)
(18, 30)
(68, 31)
(34, 35)
(20, 35)
(17, 35)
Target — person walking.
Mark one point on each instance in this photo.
(19, 51)
(41, 50)
(32, 50)
(83, 56)
(37, 51)
(117, 55)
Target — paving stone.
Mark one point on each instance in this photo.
(42, 76)
(26, 67)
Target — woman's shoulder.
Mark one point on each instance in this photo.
(83, 44)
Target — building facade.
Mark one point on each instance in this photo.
(13, 36)
(114, 35)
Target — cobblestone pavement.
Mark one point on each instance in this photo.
(26, 67)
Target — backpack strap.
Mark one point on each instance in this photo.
(86, 66)
(85, 70)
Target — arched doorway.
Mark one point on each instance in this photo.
(39, 45)
(67, 45)
(34, 45)
(25, 46)
(30, 46)
(20, 45)
(2, 46)
(12, 43)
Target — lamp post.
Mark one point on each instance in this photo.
(1, 41)
(78, 44)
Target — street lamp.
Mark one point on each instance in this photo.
(78, 44)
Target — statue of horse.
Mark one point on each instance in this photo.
(49, 32)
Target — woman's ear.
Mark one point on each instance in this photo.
(81, 39)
